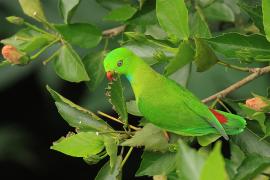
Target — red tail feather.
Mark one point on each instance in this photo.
(222, 119)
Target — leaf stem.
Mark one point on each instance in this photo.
(117, 120)
(50, 58)
(244, 69)
(223, 105)
(126, 157)
(200, 12)
(46, 23)
(106, 43)
(44, 49)
(39, 29)
(120, 132)
(213, 105)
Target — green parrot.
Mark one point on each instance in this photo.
(165, 103)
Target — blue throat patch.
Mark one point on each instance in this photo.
(129, 77)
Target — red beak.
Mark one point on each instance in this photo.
(110, 75)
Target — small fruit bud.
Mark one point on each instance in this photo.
(13, 55)
(256, 103)
(15, 20)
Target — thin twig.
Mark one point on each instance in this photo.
(114, 31)
(223, 105)
(256, 72)
(244, 69)
(44, 49)
(213, 105)
(39, 30)
(45, 62)
(117, 120)
(126, 157)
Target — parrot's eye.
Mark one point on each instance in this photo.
(120, 63)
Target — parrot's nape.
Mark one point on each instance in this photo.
(168, 105)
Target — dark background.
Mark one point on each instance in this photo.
(29, 121)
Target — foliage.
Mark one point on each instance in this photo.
(169, 35)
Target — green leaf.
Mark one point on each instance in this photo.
(156, 32)
(77, 116)
(250, 142)
(205, 3)
(112, 4)
(254, 11)
(237, 157)
(207, 139)
(151, 137)
(219, 12)
(267, 128)
(173, 17)
(82, 144)
(106, 173)
(121, 14)
(80, 34)
(214, 166)
(184, 56)
(111, 149)
(266, 17)
(144, 18)
(81, 120)
(132, 108)
(67, 9)
(199, 27)
(148, 48)
(253, 165)
(92, 159)
(33, 8)
(172, 176)
(155, 163)
(205, 57)
(117, 99)
(4, 63)
(181, 76)
(245, 47)
(68, 65)
(93, 63)
(189, 162)
(28, 40)
(141, 3)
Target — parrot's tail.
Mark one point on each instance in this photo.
(233, 124)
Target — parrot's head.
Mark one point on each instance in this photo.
(118, 61)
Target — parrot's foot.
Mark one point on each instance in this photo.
(166, 135)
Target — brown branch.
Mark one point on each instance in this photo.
(114, 31)
(256, 72)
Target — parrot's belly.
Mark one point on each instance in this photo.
(174, 117)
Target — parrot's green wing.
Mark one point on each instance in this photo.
(195, 105)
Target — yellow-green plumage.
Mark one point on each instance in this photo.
(167, 104)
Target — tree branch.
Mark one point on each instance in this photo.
(114, 31)
(256, 72)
